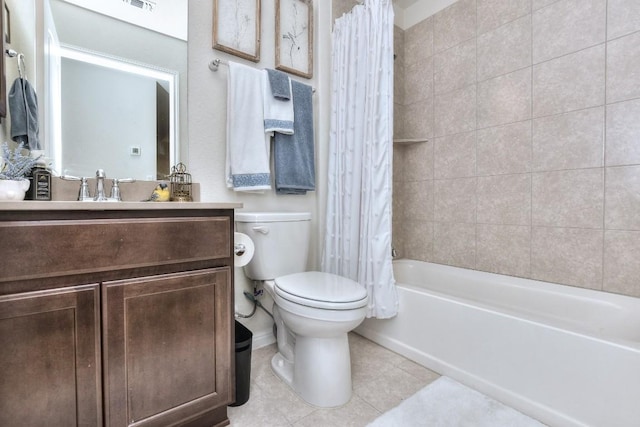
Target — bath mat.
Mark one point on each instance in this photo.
(447, 403)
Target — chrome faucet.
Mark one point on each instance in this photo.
(85, 196)
(100, 196)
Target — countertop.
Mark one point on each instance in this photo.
(29, 205)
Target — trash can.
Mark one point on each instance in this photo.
(243, 364)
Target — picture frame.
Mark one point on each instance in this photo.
(236, 28)
(294, 37)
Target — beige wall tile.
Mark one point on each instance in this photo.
(455, 156)
(622, 210)
(418, 161)
(399, 83)
(504, 249)
(419, 199)
(571, 82)
(505, 49)
(623, 63)
(504, 149)
(454, 24)
(418, 81)
(418, 239)
(621, 262)
(568, 26)
(623, 133)
(623, 17)
(454, 244)
(398, 44)
(455, 67)
(399, 119)
(398, 163)
(494, 13)
(569, 141)
(571, 256)
(455, 200)
(418, 119)
(455, 111)
(570, 198)
(505, 99)
(504, 199)
(418, 42)
(539, 4)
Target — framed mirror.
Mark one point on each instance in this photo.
(115, 87)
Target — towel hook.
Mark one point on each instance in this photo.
(21, 65)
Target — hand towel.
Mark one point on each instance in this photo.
(23, 107)
(278, 112)
(247, 165)
(294, 162)
(280, 84)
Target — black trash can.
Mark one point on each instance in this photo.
(243, 364)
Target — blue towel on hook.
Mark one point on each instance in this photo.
(294, 157)
(23, 107)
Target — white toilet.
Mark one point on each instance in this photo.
(313, 311)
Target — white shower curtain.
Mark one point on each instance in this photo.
(358, 221)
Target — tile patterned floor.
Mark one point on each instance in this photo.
(381, 380)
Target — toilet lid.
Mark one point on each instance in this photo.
(321, 290)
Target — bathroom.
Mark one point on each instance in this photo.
(530, 165)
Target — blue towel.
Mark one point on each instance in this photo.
(23, 107)
(280, 87)
(294, 160)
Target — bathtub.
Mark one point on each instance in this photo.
(564, 355)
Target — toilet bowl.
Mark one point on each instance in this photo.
(313, 311)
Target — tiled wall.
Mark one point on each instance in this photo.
(532, 168)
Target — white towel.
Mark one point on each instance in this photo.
(278, 113)
(247, 166)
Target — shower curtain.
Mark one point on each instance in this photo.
(358, 222)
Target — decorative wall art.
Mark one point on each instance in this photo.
(236, 28)
(294, 37)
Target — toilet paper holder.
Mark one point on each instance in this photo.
(239, 249)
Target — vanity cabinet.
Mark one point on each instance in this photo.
(116, 317)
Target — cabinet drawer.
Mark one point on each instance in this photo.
(55, 248)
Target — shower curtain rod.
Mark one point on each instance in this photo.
(215, 64)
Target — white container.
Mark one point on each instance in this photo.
(13, 190)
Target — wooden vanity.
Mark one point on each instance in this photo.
(116, 314)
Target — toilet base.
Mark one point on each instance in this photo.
(321, 373)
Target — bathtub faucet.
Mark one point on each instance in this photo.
(394, 253)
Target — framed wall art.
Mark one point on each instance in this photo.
(294, 37)
(236, 28)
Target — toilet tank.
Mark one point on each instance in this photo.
(281, 242)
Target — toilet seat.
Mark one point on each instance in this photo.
(321, 290)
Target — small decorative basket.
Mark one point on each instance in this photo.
(180, 184)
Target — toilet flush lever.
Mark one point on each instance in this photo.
(261, 230)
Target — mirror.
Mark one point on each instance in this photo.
(115, 92)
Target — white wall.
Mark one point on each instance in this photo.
(22, 40)
(207, 118)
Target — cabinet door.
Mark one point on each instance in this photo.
(167, 347)
(50, 358)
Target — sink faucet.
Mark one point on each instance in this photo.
(100, 196)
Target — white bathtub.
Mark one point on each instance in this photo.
(564, 355)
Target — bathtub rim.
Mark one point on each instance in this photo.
(561, 324)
